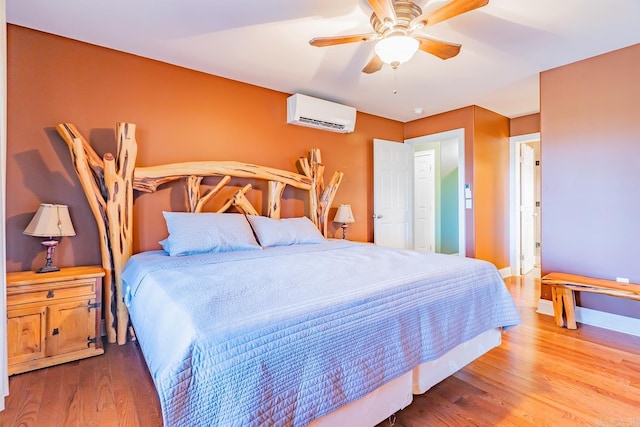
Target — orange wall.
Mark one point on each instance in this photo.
(590, 162)
(491, 186)
(185, 115)
(524, 125)
(180, 115)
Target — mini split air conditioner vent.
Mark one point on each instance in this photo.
(317, 113)
(322, 124)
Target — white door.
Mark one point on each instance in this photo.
(527, 208)
(392, 193)
(424, 235)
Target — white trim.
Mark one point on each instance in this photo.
(601, 319)
(4, 378)
(459, 135)
(505, 272)
(514, 196)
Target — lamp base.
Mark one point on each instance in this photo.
(48, 269)
(51, 248)
(344, 230)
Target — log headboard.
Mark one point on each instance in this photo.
(109, 183)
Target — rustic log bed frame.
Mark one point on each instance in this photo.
(109, 182)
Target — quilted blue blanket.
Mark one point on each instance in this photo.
(285, 335)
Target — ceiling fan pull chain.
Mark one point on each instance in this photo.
(395, 80)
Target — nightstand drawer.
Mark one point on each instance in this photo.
(50, 292)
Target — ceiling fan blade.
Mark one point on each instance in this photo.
(383, 9)
(443, 50)
(330, 41)
(375, 64)
(449, 10)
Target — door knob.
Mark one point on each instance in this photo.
(377, 216)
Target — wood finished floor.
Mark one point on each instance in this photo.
(540, 376)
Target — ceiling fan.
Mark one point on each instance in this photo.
(395, 23)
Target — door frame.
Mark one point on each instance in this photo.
(4, 377)
(514, 197)
(447, 135)
(527, 208)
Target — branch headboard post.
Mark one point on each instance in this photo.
(108, 184)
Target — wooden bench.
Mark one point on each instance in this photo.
(563, 286)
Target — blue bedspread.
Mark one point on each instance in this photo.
(286, 335)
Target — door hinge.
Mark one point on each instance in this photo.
(91, 341)
(94, 305)
(521, 257)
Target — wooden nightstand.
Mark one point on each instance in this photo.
(53, 317)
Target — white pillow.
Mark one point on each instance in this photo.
(193, 233)
(283, 232)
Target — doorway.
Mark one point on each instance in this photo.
(393, 188)
(525, 205)
(448, 191)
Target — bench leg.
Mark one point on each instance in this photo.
(564, 304)
(556, 296)
(569, 298)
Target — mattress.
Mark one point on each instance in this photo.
(287, 335)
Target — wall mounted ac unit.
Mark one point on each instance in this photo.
(317, 113)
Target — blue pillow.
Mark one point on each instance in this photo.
(284, 232)
(194, 233)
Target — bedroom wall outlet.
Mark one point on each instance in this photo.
(622, 279)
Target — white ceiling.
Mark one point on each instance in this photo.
(504, 46)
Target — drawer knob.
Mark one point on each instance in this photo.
(50, 294)
(55, 331)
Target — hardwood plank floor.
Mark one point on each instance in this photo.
(541, 375)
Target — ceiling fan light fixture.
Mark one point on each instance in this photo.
(395, 50)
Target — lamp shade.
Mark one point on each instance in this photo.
(395, 50)
(51, 221)
(344, 214)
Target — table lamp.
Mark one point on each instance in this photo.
(345, 216)
(50, 221)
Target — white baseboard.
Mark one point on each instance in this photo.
(601, 319)
(505, 272)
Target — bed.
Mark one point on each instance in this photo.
(246, 319)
